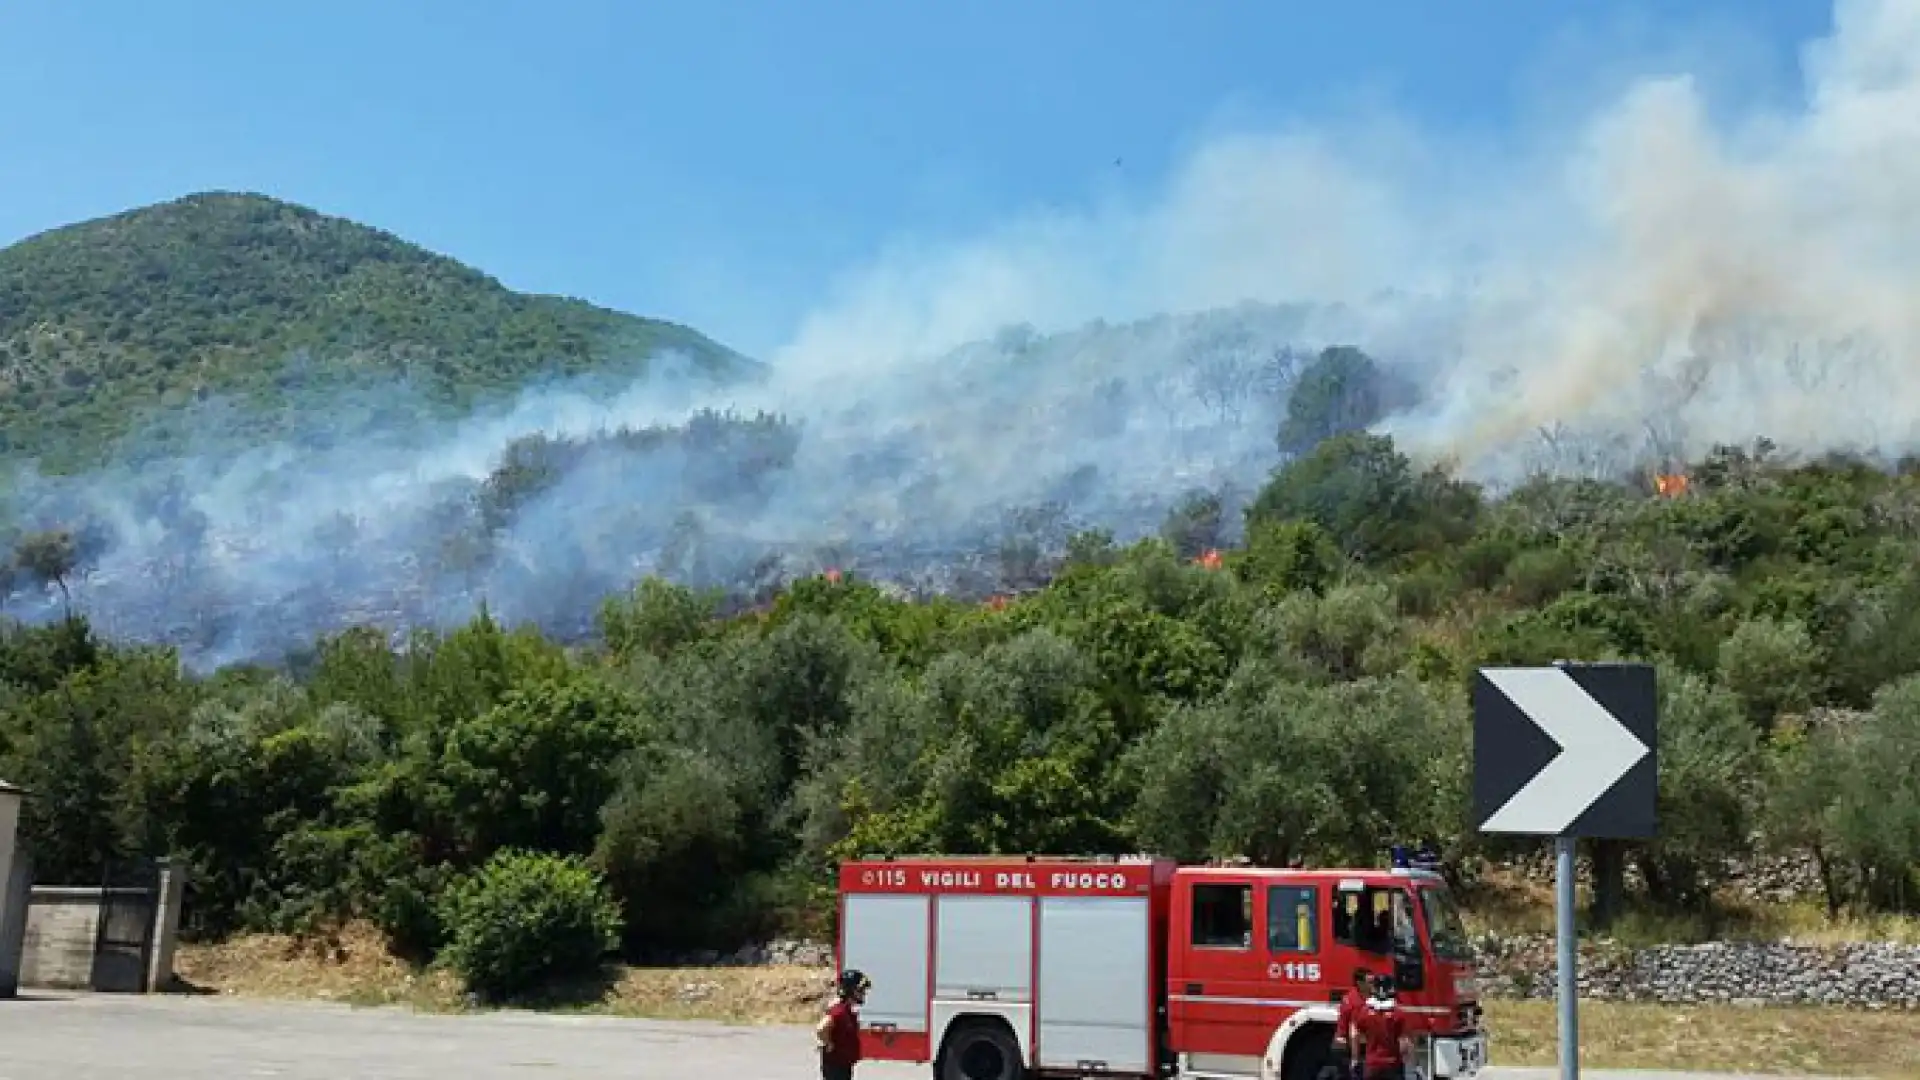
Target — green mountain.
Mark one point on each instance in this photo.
(109, 327)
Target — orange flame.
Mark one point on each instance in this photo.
(996, 603)
(1208, 560)
(833, 576)
(1669, 485)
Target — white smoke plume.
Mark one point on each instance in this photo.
(1756, 276)
(1647, 283)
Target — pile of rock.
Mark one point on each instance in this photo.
(771, 954)
(1775, 878)
(1866, 975)
(1772, 878)
(798, 954)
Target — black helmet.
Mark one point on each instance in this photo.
(853, 982)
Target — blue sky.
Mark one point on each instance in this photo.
(716, 163)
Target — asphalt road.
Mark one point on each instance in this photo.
(44, 1037)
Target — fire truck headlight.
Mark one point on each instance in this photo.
(1466, 986)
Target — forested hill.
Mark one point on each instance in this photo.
(107, 323)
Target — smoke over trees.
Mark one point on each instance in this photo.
(969, 568)
(250, 558)
(1301, 698)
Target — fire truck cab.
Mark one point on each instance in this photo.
(1006, 968)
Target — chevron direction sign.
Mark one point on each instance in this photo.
(1569, 750)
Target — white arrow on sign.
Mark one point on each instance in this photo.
(1596, 750)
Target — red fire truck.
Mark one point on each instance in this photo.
(1005, 968)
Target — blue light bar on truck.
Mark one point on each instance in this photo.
(1425, 858)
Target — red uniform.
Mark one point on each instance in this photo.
(843, 1040)
(1381, 1028)
(1351, 1007)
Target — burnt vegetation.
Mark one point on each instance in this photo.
(1298, 696)
(684, 721)
(248, 558)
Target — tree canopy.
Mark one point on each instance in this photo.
(107, 327)
(1301, 697)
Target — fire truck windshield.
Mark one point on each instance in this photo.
(1446, 931)
(1379, 920)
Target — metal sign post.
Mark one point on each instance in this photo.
(1567, 751)
(1566, 940)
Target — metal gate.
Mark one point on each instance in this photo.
(123, 946)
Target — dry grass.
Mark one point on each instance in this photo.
(764, 995)
(1509, 904)
(351, 967)
(1809, 1041)
(1807, 923)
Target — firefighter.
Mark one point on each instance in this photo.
(838, 1033)
(1351, 1006)
(1383, 1044)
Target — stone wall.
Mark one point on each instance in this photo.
(1868, 975)
(1871, 975)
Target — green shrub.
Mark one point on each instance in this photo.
(1771, 666)
(523, 919)
(1484, 560)
(1424, 592)
(1540, 575)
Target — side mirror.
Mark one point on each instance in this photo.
(1409, 972)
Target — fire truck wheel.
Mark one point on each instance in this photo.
(1310, 1055)
(981, 1050)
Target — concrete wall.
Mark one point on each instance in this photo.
(16, 889)
(63, 926)
(166, 929)
(9, 825)
(16, 877)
